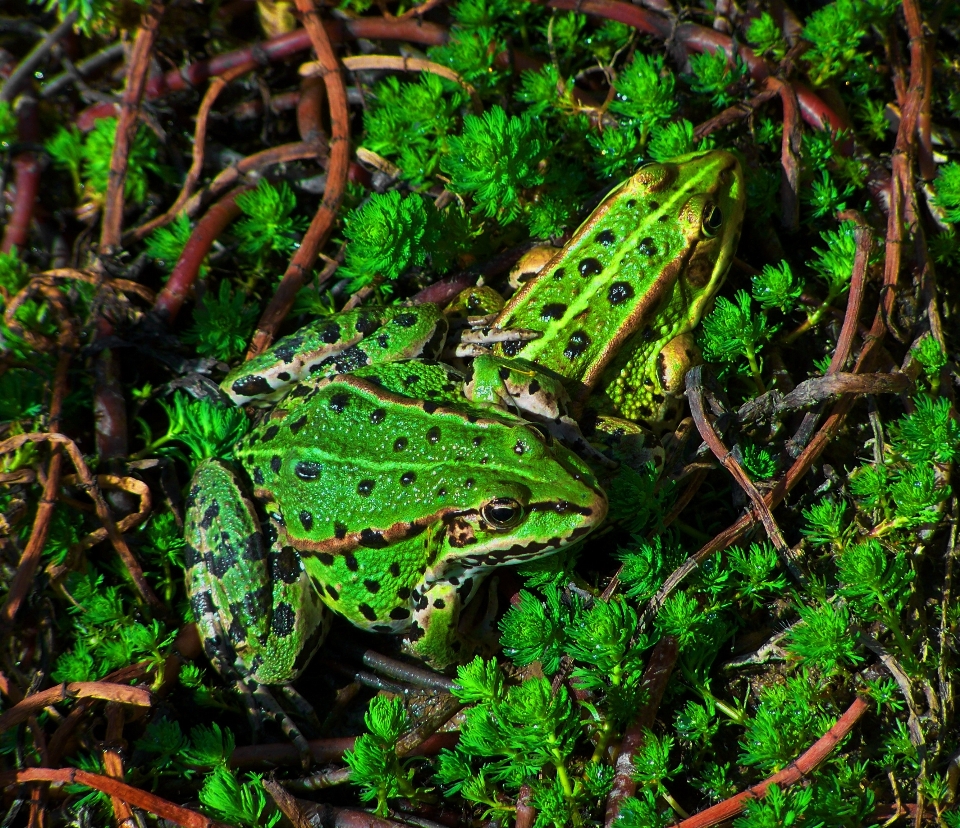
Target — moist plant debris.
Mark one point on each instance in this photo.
(764, 631)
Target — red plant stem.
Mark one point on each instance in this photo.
(26, 178)
(217, 85)
(698, 410)
(793, 773)
(113, 787)
(109, 402)
(696, 38)
(113, 760)
(127, 127)
(921, 65)
(313, 94)
(655, 678)
(339, 165)
(790, 158)
(30, 559)
(33, 704)
(282, 47)
(175, 291)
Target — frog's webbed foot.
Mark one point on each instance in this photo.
(260, 699)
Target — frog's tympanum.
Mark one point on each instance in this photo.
(385, 485)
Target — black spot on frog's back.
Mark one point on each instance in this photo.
(289, 348)
(366, 323)
(576, 345)
(589, 267)
(619, 292)
(553, 310)
(330, 333)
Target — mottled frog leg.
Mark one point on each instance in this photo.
(256, 609)
(435, 636)
(521, 387)
(339, 344)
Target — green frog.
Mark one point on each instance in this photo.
(385, 485)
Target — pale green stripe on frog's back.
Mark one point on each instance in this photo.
(623, 262)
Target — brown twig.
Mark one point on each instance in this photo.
(30, 559)
(89, 484)
(26, 177)
(113, 787)
(284, 46)
(175, 291)
(793, 773)
(360, 63)
(246, 167)
(735, 112)
(322, 750)
(138, 696)
(24, 71)
(123, 484)
(790, 157)
(217, 85)
(322, 224)
(695, 396)
(113, 760)
(127, 124)
(655, 678)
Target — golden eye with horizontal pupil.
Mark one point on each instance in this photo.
(502, 512)
(712, 220)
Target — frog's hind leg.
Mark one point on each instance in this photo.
(301, 706)
(339, 344)
(256, 608)
(264, 701)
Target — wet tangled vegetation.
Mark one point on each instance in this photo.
(763, 630)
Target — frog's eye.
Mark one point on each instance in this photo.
(502, 512)
(712, 220)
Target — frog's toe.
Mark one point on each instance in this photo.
(265, 702)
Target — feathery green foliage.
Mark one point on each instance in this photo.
(496, 159)
(222, 324)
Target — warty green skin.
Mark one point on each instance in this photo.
(394, 532)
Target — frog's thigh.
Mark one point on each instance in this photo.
(256, 611)
(339, 344)
(299, 621)
(650, 385)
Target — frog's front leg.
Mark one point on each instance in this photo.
(255, 607)
(524, 388)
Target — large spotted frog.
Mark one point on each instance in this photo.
(386, 485)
